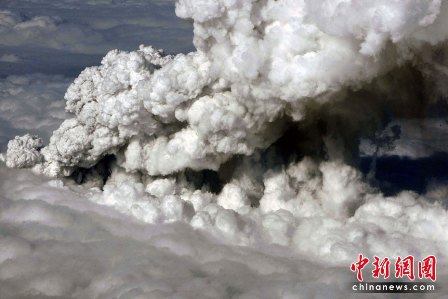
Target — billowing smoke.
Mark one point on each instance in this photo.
(254, 137)
(259, 66)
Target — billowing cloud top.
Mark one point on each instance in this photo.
(257, 65)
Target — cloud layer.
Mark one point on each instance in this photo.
(65, 36)
(31, 103)
(57, 243)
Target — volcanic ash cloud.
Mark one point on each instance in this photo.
(251, 136)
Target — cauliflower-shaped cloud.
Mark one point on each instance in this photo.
(24, 152)
(260, 68)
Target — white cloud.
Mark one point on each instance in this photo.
(234, 94)
(56, 242)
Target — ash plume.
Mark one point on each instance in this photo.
(254, 137)
(259, 66)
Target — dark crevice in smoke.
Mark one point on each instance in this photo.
(96, 175)
(207, 180)
(300, 140)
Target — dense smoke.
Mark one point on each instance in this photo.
(254, 138)
(260, 65)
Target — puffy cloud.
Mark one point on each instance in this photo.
(57, 242)
(323, 211)
(235, 94)
(24, 151)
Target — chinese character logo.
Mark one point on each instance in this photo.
(382, 267)
(359, 265)
(404, 267)
(427, 268)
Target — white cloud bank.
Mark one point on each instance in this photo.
(56, 243)
(286, 229)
